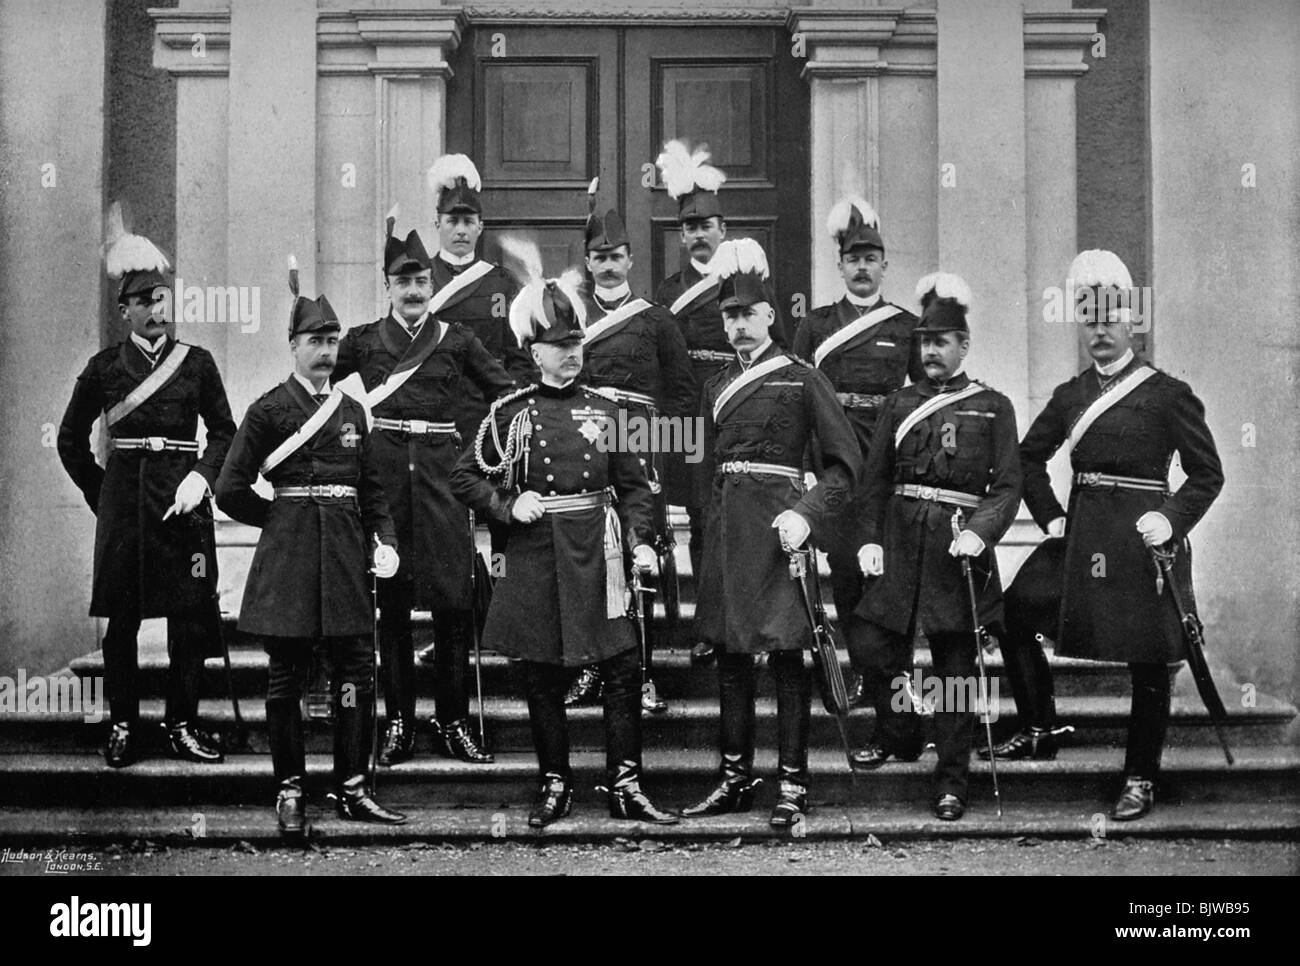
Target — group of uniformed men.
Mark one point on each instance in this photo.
(862, 436)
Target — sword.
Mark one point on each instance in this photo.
(374, 677)
(637, 607)
(1193, 635)
(473, 616)
(980, 633)
(241, 730)
(830, 679)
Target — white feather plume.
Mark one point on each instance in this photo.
(738, 255)
(944, 285)
(1098, 267)
(124, 252)
(837, 222)
(448, 168)
(684, 171)
(521, 257)
(570, 283)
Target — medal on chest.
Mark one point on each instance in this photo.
(592, 422)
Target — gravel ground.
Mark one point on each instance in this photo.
(1023, 856)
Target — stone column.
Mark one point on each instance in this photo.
(52, 278)
(843, 68)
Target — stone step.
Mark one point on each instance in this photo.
(220, 826)
(1086, 778)
(687, 724)
(672, 671)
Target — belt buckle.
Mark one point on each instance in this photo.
(927, 493)
(1090, 479)
(418, 426)
(155, 444)
(336, 490)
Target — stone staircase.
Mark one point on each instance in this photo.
(54, 785)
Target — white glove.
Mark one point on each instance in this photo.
(189, 494)
(809, 480)
(871, 559)
(644, 559)
(1155, 528)
(1056, 528)
(386, 561)
(792, 528)
(528, 508)
(966, 544)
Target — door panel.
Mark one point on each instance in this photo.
(565, 105)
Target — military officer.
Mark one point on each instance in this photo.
(541, 463)
(155, 551)
(635, 352)
(1122, 421)
(944, 459)
(307, 585)
(691, 295)
(865, 346)
(484, 290)
(761, 413)
(416, 369)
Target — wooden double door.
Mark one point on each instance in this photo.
(543, 110)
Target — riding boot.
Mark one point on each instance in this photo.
(288, 750)
(735, 789)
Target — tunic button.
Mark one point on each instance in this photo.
(535, 413)
(586, 456)
(583, 490)
(550, 478)
(546, 459)
(541, 442)
(537, 425)
(552, 493)
(530, 402)
(585, 474)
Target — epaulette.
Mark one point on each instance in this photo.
(599, 391)
(511, 397)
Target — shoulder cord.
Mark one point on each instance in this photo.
(516, 448)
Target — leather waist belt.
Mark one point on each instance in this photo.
(934, 494)
(1122, 482)
(859, 400)
(572, 502)
(416, 427)
(710, 355)
(625, 396)
(156, 444)
(768, 469)
(337, 490)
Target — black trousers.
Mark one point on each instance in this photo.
(189, 638)
(452, 634)
(736, 686)
(352, 659)
(545, 685)
(1033, 609)
(884, 657)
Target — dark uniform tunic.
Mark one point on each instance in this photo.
(549, 605)
(747, 601)
(646, 354)
(486, 312)
(432, 526)
(969, 447)
(870, 366)
(702, 326)
(1109, 608)
(309, 577)
(145, 566)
